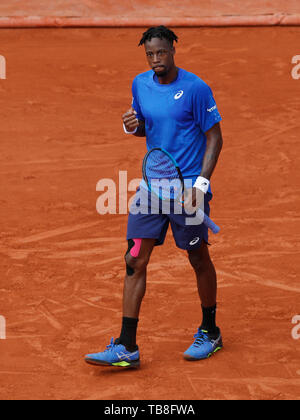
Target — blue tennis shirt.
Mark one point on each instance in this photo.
(176, 116)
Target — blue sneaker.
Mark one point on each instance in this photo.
(204, 346)
(115, 355)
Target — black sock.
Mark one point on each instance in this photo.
(209, 319)
(128, 333)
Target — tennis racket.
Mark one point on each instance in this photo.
(159, 165)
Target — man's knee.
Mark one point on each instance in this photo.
(199, 258)
(135, 261)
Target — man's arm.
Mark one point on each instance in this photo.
(213, 150)
(195, 196)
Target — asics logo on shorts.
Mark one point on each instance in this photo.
(195, 241)
(178, 95)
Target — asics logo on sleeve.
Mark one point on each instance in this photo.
(212, 108)
(178, 95)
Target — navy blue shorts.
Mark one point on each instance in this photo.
(145, 224)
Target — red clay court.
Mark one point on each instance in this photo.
(62, 266)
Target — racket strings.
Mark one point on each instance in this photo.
(162, 175)
(160, 166)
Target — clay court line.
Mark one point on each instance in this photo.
(19, 372)
(259, 280)
(96, 306)
(20, 254)
(259, 253)
(15, 337)
(262, 139)
(163, 282)
(56, 232)
(109, 394)
(162, 339)
(75, 254)
(269, 283)
(64, 169)
(255, 381)
(258, 219)
(74, 308)
(235, 61)
(95, 331)
(267, 388)
(264, 219)
(91, 264)
(192, 385)
(224, 273)
(54, 161)
(252, 392)
(56, 303)
(77, 242)
(223, 286)
(51, 319)
(75, 168)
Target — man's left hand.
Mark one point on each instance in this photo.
(193, 200)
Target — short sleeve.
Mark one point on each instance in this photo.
(205, 109)
(135, 101)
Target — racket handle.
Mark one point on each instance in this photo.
(208, 222)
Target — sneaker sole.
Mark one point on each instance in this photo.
(194, 359)
(122, 364)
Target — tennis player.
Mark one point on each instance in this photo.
(174, 109)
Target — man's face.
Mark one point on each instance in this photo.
(160, 56)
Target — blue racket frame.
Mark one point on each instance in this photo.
(206, 220)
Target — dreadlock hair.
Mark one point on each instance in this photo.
(159, 32)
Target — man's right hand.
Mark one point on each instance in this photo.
(130, 121)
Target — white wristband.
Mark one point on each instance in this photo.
(202, 184)
(129, 132)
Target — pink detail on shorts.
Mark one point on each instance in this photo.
(135, 251)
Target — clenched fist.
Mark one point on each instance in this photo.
(130, 121)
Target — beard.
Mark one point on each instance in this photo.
(161, 73)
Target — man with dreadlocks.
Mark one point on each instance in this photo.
(176, 111)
